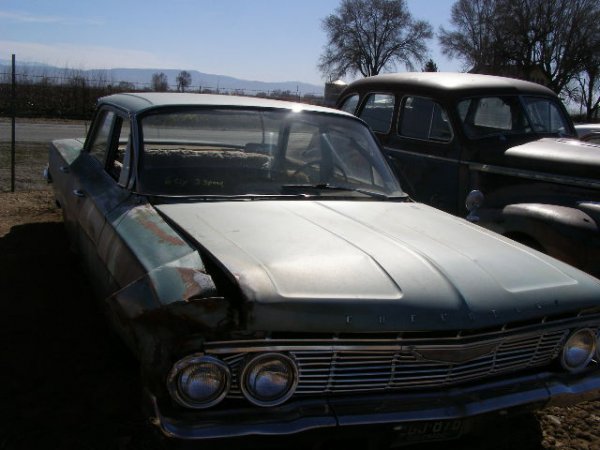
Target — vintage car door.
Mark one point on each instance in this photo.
(421, 147)
(64, 160)
(101, 187)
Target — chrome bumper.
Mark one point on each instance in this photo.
(532, 392)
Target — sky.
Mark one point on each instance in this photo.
(260, 40)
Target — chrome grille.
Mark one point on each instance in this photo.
(337, 366)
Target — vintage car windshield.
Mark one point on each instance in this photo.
(234, 152)
(510, 114)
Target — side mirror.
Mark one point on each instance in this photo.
(473, 202)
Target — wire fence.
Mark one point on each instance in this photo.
(72, 94)
(47, 101)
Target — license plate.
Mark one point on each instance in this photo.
(438, 430)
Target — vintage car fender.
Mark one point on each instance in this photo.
(552, 229)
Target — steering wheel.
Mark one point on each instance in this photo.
(317, 162)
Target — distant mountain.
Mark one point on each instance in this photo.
(142, 78)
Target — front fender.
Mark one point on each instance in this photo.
(568, 233)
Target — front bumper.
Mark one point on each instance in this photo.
(532, 392)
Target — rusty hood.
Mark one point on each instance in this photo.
(375, 266)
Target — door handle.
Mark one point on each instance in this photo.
(64, 169)
(78, 193)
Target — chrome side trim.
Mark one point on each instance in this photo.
(391, 151)
(508, 171)
(538, 176)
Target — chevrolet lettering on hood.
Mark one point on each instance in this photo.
(272, 277)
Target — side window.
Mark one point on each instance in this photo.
(119, 157)
(102, 136)
(493, 112)
(545, 115)
(350, 104)
(378, 112)
(422, 118)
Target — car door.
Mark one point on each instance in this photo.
(63, 162)
(424, 153)
(100, 188)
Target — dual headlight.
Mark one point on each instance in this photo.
(581, 347)
(201, 381)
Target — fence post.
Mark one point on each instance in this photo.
(14, 112)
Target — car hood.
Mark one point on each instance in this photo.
(558, 156)
(375, 266)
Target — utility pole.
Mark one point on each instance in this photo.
(14, 113)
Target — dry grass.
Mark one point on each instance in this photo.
(30, 161)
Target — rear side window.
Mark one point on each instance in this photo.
(102, 136)
(378, 112)
(422, 118)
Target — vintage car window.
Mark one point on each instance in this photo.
(422, 118)
(350, 104)
(378, 112)
(486, 116)
(511, 114)
(262, 152)
(545, 115)
(102, 137)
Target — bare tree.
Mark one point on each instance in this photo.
(585, 89)
(367, 36)
(125, 86)
(184, 80)
(474, 38)
(554, 37)
(160, 82)
(557, 36)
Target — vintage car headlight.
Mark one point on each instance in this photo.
(579, 350)
(199, 381)
(269, 379)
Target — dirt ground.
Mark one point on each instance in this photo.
(67, 384)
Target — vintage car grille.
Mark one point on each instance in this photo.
(338, 366)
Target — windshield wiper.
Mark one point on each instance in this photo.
(332, 187)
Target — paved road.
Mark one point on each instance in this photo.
(30, 130)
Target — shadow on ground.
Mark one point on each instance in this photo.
(65, 383)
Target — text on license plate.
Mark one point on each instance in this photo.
(428, 431)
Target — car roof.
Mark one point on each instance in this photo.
(138, 102)
(457, 82)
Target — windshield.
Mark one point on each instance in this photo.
(236, 152)
(490, 116)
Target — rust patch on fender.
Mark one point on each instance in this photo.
(198, 284)
(161, 234)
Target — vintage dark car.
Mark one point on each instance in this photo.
(588, 132)
(502, 145)
(265, 266)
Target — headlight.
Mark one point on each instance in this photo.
(579, 350)
(199, 381)
(269, 379)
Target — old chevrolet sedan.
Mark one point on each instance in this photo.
(266, 268)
